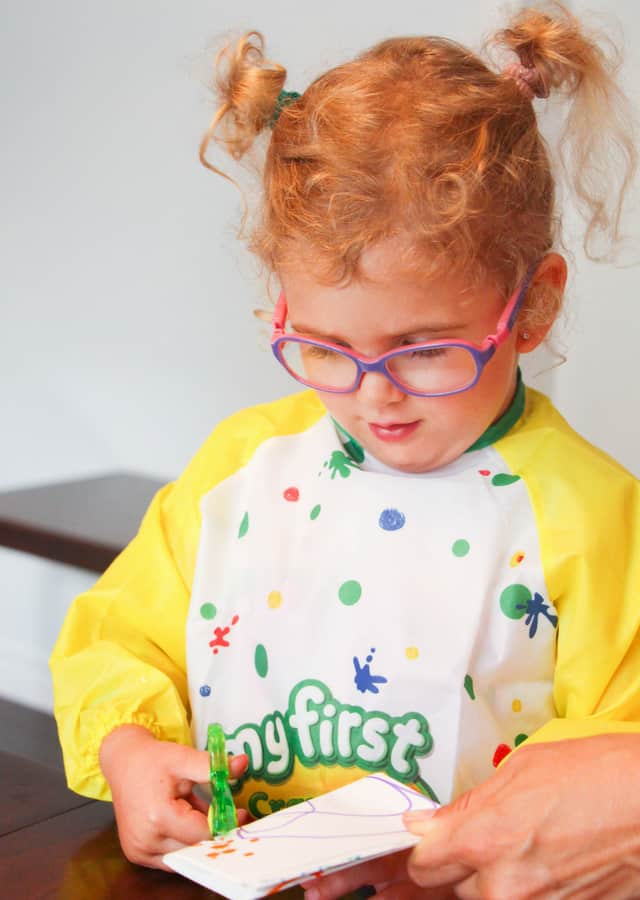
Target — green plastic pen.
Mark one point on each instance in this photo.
(222, 812)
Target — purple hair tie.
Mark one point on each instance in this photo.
(528, 79)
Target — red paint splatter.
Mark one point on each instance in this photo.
(484, 472)
(502, 750)
(220, 634)
(219, 639)
(292, 494)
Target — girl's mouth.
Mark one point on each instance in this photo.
(393, 431)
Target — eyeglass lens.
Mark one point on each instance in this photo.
(430, 370)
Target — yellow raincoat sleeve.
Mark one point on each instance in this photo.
(587, 508)
(121, 657)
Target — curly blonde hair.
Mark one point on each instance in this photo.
(419, 137)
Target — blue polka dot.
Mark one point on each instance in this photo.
(205, 690)
(391, 519)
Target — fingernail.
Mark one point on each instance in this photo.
(418, 815)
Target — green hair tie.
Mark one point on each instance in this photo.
(285, 98)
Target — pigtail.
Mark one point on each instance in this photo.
(248, 88)
(596, 146)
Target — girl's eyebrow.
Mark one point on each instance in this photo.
(432, 328)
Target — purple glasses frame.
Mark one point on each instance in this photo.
(365, 364)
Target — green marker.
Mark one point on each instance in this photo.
(222, 812)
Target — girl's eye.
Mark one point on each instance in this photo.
(314, 352)
(429, 352)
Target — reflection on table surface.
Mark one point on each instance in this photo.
(56, 844)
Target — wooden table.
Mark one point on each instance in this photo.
(57, 845)
(84, 523)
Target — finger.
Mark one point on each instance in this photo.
(195, 765)
(237, 765)
(184, 824)
(197, 802)
(243, 817)
(449, 837)
(406, 890)
(441, 856)
(156, 861)
(389, 868)
(442, 876)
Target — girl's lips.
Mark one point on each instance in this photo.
(393, 432)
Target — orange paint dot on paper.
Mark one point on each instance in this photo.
(516, 559)
(230, 850)
(213, 855)
(274, 599)
(249, 853)
(412, 652)
(516, 705)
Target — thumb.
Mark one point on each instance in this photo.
(437, 860)
(441, 821)
(194, 765)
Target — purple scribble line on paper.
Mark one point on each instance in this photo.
(297, 813)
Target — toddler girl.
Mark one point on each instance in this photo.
(415, 565)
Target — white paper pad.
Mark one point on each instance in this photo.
(354, 823)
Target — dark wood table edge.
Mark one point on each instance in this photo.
(62, 548)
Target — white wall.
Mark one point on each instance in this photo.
(121, 279)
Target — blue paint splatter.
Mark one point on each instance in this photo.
(364, 680)
(391, 519)
(205, 690)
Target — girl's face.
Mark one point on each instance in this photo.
(388, 308)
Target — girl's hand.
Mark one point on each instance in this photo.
(556, 820)
(152, 785)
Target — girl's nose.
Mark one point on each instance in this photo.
(376, 389)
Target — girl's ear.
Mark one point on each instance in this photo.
(542, 304)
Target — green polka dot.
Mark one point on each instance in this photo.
(350, 592)
(519, 738)
(468, 686)
(315, 512)
(503, 479)
(516, 595)
(460, 548)
(261, 661)
(208, 611)
(244, 525)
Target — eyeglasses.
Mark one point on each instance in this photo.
(427, 369)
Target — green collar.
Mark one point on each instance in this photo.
(506, 421)
(350, 444)
(493, 433)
